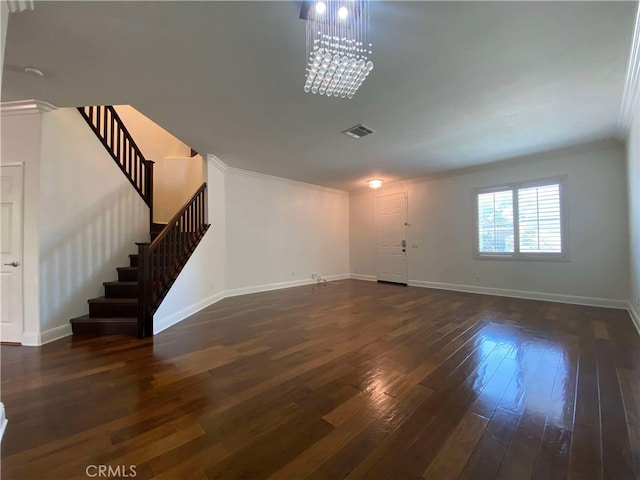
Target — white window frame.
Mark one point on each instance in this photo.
(562, 256)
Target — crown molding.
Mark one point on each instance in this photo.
(223, 167)
(25, 107)
(631, 95)
(271, 178)
(216, 162)
(16, 6)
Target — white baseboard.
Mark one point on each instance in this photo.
(335, 278)
(55, 333)
(234, 292)
(160, 324)
(546, 297)
(279, 285)
(367, 278)
(35, 339)
(635, 316)
(30, 339)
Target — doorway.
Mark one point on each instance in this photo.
(11, 213)
(391, 219)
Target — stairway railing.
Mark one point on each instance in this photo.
(110, 130)
(160, 262)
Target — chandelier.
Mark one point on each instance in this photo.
(338, 46)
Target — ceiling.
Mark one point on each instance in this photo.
(455, 84)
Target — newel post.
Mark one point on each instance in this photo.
(145, 320)
(149, 183)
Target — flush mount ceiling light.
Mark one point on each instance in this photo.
(375, 183)
(338, 46)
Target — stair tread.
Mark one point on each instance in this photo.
(113, 300)
(126, 268)
(116, 282)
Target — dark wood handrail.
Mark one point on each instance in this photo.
(176, 217)
(114, 135)
(160, 262)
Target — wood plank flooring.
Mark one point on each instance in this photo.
(348, 380)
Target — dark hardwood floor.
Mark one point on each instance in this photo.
(352, 379)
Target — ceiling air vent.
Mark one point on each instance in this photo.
(358, 131)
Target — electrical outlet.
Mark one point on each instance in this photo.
(293, 274)
(313, 275)
(477, 277)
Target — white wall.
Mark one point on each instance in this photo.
(176, 180)
(154, 142)
(633, 176)
(441, 217)
(89, 218)
(281, 231)
(20, 143)
(202, 281)
(263, 229)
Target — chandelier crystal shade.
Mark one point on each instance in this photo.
(338, 46)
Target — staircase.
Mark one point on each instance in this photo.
(129, 303)
(117, 311)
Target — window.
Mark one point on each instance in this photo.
(522, 220)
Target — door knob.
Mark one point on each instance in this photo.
(13, 264)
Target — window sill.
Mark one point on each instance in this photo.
(526, 258)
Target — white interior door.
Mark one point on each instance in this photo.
(391, 213)
(11, 322)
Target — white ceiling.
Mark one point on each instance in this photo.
(455, 84)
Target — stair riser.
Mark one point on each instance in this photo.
(112, 310)
(121, 291)
(127, 275)
(133, 261)
(104, 328)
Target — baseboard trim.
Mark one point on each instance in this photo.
(162, 324)
(234, 292)
(635, 316)
(35, 339)
(366, 278)
(543, 296)
(267, 287)
(30, 339)
(55, 333)
(335, 278)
